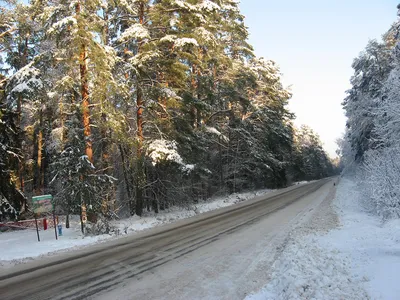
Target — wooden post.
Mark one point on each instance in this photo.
(55, 224)
(37, 229)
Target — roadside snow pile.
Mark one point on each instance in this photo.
(150, 220)
(304, 182)
(359, 260)
(20, 246)
(299, 275)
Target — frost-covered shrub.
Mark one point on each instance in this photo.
(102, 226)
(161, 151)
(382, 181)
(7, 211)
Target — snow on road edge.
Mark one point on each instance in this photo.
(372, 247)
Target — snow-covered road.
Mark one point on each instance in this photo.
(231, 267)
(225, 254)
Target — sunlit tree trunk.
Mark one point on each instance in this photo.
(38, 179)
(85, 93)
(83, 71)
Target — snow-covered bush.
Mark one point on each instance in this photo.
(102, 226)
(382, 181)
(161, 151)
(7, 211)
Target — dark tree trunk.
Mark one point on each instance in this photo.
(140, 174)
(127, 179)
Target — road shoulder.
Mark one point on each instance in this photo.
(310, 266)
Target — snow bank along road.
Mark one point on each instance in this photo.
(219, 255)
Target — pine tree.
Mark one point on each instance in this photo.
(78, 61)
(12, 200)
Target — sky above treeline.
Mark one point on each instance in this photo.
(314, 42)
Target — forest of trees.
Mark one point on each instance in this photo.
(372, 142)
(123, 106)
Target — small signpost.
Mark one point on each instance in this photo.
(43, 204)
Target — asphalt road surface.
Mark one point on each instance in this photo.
(169, 262)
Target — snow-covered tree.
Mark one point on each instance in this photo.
(12, 200)
(373, 118)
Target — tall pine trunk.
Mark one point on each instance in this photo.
(140, 176)
(128, 179)
(39, 170)
(21, 162)
(106, 136)
(194, 86)
(83, 70)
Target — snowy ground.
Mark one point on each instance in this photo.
(341, 253)
(20, 246)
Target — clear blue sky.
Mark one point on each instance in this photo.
(315, 42)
